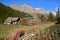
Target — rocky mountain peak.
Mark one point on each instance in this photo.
(28, 9)
(24, 5)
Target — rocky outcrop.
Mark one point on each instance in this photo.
(28, 9)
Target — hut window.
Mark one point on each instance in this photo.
(18, 19)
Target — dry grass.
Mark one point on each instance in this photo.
(6, 30)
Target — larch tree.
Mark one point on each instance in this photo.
(58, 15)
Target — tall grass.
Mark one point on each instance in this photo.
(51, 33)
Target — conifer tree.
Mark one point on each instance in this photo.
(58, 16)
(50, 16)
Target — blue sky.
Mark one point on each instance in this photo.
(47, 5)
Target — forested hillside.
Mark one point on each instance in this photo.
(6, 11)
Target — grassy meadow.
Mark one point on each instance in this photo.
(6, 30)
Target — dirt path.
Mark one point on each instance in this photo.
(40, 27)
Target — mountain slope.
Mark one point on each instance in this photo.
(6, 11)
(28, 9)
(35, 12)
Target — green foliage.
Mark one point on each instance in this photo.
(58, 16)
(6, 11)
(50, 16)
(43, 18)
